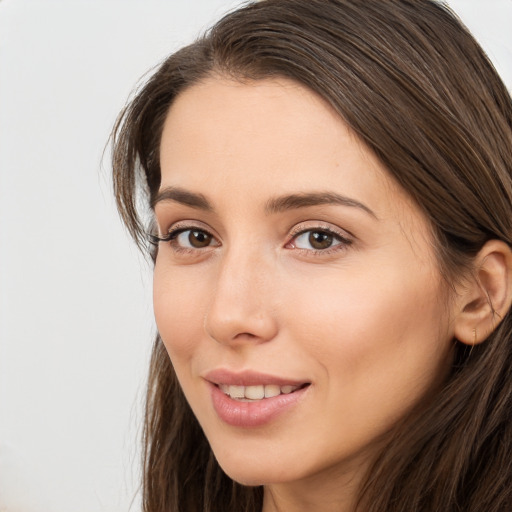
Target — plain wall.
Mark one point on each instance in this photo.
(75, 297)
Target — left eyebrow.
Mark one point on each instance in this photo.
(304, 200)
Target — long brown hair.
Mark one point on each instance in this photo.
(417, 89)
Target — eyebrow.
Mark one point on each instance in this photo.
(272, 206)
(182, 196)
(303, 200)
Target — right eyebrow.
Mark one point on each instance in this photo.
(180, 195)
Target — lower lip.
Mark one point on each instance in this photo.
(256, 413)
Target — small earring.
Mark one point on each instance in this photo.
(474, 336)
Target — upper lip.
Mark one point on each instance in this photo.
(249, 378)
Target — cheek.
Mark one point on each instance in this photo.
(378, 349)
(390, 329)
(178, 299)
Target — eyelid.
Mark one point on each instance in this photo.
(178, 227)
(306, 226)
(344, 237)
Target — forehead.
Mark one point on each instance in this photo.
(268, 137)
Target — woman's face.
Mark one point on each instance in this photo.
(298, 295)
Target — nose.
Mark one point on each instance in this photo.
(241, 309)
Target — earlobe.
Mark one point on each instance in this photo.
(487, 294)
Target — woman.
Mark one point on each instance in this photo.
(329, 188)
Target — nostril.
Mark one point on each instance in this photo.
(232, 327)
(248, 334)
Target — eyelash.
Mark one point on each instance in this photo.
(173, 234)
(343, 240)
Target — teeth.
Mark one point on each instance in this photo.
(236, 391)
(256, 392)
(272, 390)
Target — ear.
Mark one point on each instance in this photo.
(486, 296)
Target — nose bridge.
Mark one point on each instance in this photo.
(240, 308)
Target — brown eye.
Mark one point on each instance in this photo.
(190, 239)
(320, 239)
(199, 239)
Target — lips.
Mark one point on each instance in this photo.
(250, 399)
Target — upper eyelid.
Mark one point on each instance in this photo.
(296, 230)
(165, 235)
(342, 241)
(300, 228)
(187, 224)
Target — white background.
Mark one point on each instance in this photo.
(75, 297)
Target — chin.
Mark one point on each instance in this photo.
(253, 477)
(254, 469)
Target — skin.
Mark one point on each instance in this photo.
(364, 321)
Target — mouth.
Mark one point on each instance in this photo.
(258, 392)
(251, 399)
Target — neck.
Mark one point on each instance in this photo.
(328, 491)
